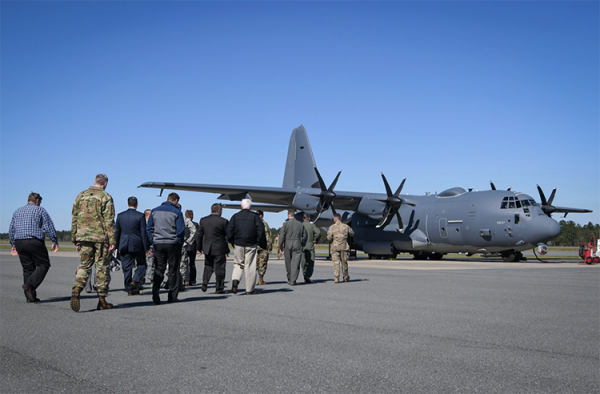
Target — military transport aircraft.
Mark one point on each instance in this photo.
(491, 222)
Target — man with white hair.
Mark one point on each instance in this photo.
(245, 231)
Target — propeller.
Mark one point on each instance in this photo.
(326, 196)
(547, 206)
(392, 204)
(494, 186)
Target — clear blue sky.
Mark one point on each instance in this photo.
(443, 93)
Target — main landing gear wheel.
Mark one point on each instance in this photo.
(511, 256)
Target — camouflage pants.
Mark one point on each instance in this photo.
(263, 258)
(308, 262)
(278, 254)
(340, 257)
(184, 266)
(150, 264)
(92, 253)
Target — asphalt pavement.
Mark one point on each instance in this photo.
(397, 326)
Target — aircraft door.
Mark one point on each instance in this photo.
(444, 228)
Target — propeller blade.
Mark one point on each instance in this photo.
(335, 181)
(552, 196)
(321, 183)
(400, 188)
(388, 190)
(542, 196)
(400, 224)
(492, 185)
(384, 221)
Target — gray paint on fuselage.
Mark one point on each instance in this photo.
(465, 220)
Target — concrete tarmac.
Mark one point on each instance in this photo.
(397, 326)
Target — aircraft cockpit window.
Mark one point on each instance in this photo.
(525, 203)
(518, 204)
(533, 203)
(511, 204)
(504, 205)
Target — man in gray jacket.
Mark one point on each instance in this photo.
(165, 230)
(292, 239)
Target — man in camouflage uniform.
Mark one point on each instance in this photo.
(338, 236)
(93, 232)
(308, 252)
(189, 242)
(263, 254)
(293, 238)
(276, 247)
(149, 255)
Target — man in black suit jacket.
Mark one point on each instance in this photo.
(132, 244)
(211, 240)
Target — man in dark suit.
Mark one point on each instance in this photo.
(211, 240)
(132, 244)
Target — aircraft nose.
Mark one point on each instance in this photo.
(547, 229)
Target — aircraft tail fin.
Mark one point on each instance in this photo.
(300, 164)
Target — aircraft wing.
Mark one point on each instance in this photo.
(567, 210)
(278, 198)
(269, 195)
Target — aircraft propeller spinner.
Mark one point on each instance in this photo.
(326, 196)
(547, 206)
(392, 204)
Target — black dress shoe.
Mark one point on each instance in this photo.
(234, 286)
(219, 292)
(204, 287)
(155, 297)
(307, 280)
(36, 300)
(29, 292)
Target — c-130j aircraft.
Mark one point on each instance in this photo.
(491, 222)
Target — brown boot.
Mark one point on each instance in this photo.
(102, 304)
(75, 298)
(261, 281)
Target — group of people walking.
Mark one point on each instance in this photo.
(160, 245)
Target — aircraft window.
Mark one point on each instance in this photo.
(504, 204)
(533, 203)
(518, 204)
(511, 198)
(525, 203)
(511, 204)
(505, 199)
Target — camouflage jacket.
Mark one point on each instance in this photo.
(268, 235)
(93, 217)
(338, 235)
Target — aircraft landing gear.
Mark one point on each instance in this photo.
(512, 256)
(425, 256)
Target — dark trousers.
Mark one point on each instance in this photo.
(217, 265)
(34, 259)
(127, 261)
(192, 259)
(167, 254)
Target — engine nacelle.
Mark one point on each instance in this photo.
(305, 202)
(417, 240)
(542, 249)
(383, 248)
(370, 207)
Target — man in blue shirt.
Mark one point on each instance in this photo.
(26, 234)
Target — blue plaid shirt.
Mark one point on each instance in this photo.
(30, 222)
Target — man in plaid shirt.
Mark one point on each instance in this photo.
(26, 233)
